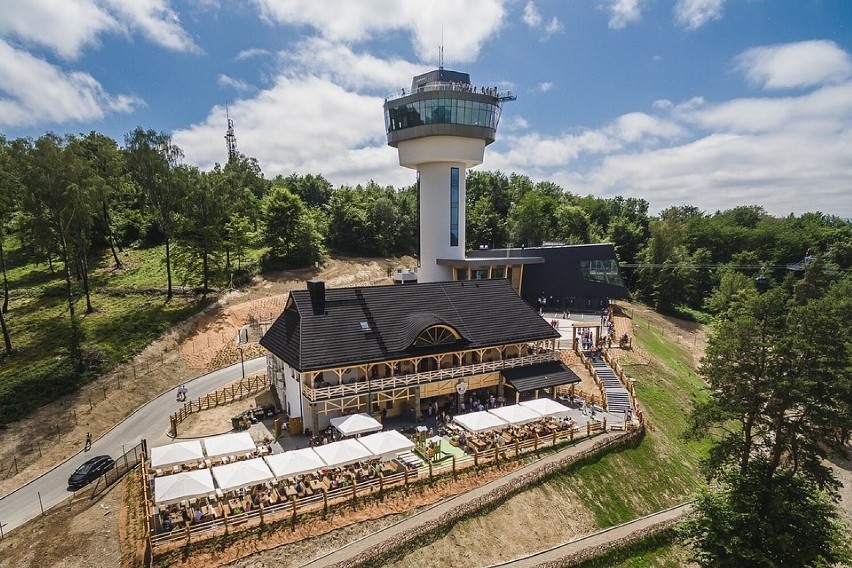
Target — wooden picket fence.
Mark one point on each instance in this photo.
(237, 391)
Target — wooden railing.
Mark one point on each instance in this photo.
(346, 496)
(364, 386)
(237, 391)
(284, 509)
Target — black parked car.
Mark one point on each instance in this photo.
(90, 471)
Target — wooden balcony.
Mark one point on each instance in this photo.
(412, 379)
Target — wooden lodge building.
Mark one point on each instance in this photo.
(388, 349)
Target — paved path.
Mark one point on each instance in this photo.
(616, 533)
(150, 421)
(351, 550)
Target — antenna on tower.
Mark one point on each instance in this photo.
(441, 50)
(230, 137)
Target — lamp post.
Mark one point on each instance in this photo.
(242, 360)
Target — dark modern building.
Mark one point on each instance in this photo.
(559, 277)
(384, 349)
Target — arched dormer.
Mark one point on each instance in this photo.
(436, 335)
(425, 331)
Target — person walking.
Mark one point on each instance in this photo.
(88, 441)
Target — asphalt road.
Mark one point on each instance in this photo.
(150, 421)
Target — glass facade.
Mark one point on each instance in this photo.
(454, 207)
(601, 271)
(442, 111)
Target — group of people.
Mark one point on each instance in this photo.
(181, 393)
(476, 404)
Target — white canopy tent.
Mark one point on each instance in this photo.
(386, 444)
(173, 454)
(170, 489)
(355, 424)
(294, 462)
(229, 445)
(477, 422)
(343, 452)
(547, 407)
(516, 414)
(232, 476)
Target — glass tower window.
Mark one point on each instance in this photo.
(454, 207)
(442, 111)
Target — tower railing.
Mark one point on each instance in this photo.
(453, 86)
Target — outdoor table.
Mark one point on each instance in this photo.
(317, 485)
(236, 506)
(290, 491)
(388, 469)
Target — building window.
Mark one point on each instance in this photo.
(601, 271)
(497, 272)
(454, 207)
(461, 273)
(436, 335)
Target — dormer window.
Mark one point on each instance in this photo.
(436, 335)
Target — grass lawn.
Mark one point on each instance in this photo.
(663, 470)
(37, 371)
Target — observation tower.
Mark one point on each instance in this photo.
(440, 128)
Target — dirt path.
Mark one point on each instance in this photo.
(596, 541)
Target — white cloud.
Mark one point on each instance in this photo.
(342, 66)
(553, 26)
(229, 82)
(156, 21)
(253, 52)
(623, 12)
(33, 91)
(531, 17)
(692, 14)
(792, 65)
(321, 119)
(347, 21)
(64, 27)
(69, 26)
(545, 86)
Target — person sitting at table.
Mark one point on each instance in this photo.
(198, 515)
(167, 522)
(299, 487)
(462, 440)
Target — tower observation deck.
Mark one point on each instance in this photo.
(440, 128)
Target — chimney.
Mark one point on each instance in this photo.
(317, 291)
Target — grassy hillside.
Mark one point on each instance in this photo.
(123, 323)
(663, 470)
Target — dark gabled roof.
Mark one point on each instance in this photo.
(540, 376)
(483, 312)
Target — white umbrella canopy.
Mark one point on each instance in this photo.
(174, 488)
(294, 462)
(173, 454)
(479, 422)
(355, 424)
(343, 452)
(547, 407)
(239, 474)
(516, 414)
(229, 445)
(386, 444)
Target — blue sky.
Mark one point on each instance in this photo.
(713, 103)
